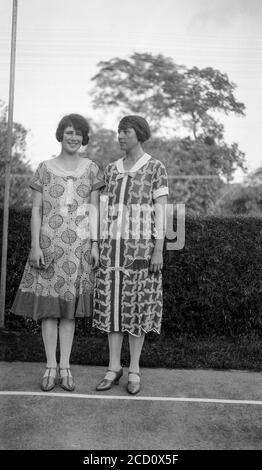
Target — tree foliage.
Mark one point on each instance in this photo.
(197, 170)
(103, 146)
(21, 170)
(158, 88)
(244, 199)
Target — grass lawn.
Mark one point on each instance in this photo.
(159, 351)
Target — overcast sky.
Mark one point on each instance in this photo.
(60, 42)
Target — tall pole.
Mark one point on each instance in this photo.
(8, 166)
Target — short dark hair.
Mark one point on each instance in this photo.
(138, 123)
(78, 122)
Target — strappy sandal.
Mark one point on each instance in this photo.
(66, 380)
(49, 379)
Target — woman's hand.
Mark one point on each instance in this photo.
(95, 255)
(156, 263)
(36, 255)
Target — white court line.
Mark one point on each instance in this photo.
(137, 397)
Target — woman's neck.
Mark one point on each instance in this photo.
(68, 161)
(134, 154)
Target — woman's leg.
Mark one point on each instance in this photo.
(135, 347)
(49, 335)
(66, 336)
(115, 371)
(115, 341)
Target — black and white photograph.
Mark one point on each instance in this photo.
(131, 231)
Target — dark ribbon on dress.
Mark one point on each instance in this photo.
(126, 173)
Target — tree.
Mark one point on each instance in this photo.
(21, 169)
(159, 89)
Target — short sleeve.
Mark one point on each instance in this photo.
(159, 182)
(37, 180)
(97, 178)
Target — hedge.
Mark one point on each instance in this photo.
(213, 286)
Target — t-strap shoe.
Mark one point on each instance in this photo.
(106, 383)
(133, 386)
(49, 379)
(66, 380)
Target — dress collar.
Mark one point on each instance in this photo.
(141, 162)
(64, 173)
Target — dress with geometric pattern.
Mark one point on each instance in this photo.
(65, 289)
(127, 296)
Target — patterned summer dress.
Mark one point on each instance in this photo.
(127, 296)
(65, 289)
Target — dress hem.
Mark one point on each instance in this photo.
(125, 330)
(27, 304)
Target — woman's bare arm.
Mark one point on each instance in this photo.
(36, 219)
(94, 226)
(160, 225)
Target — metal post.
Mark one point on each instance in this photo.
(8, 166)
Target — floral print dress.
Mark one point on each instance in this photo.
(65, 288)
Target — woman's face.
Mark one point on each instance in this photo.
(127, 138)
(72, 140)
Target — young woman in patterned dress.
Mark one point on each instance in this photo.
(57, 284)
(128, 291)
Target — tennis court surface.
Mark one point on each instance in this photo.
(175, 410)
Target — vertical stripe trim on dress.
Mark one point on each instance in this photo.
(117, 258)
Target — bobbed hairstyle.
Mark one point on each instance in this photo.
(78, 122)
(138, 123)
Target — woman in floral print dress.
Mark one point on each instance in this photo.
(128, 291)
(57, 284)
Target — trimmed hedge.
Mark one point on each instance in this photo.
(212, 287)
